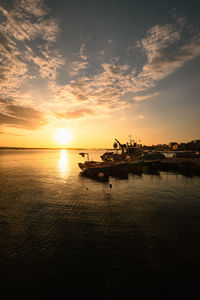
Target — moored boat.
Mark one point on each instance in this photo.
(122, 152)
(151, 158)
(104, 168)
(118, 167)
(93, 168)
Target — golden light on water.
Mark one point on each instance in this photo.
(63, 164)
(63, 136)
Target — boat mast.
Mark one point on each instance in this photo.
(130, 138)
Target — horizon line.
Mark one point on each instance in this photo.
(51, 148)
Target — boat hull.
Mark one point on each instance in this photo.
(95, 169)
(103, 169)
(119, 168)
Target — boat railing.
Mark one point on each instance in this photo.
(83, 155)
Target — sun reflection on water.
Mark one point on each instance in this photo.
(63, 164)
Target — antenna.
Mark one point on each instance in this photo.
(130, 137)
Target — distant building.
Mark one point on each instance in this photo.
(175, 147)
(172, 144)
(190, 146)
(194, 145)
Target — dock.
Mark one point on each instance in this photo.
(190, 165)
(173, 164)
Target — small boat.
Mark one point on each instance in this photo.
(94, 168)
(151, 158)
(102, 169)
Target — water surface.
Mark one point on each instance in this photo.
(60, 231)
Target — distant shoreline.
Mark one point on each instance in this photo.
(39, 148)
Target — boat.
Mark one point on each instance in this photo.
(151, 158)
(122, 152)
(118, 167)
(94, 168)
(102, 168)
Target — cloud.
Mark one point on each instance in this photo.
(48, 61)
(4, 43)
(103, 89)
(34, 121)
(34, 7)
(28, 52)
(6, 101)
(158, 38)
(77, 113)
(144, 97)
(27, 22)
(21, 26)
(13, 134)
(20, 116)
(81, 52)
(77, 66)
(80, 63)
(167, 51)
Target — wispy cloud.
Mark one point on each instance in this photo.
(82, 52)
(77, 113)
(36, 7)
(144, 97)
(48, 61)
(164, 51)
(77, 66)
(80, 63)
(102, 89)
(10, 133)
(159, 38)
(27, 22)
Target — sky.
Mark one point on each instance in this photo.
(102, 69)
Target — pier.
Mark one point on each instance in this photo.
(190, 165)
(172, 164)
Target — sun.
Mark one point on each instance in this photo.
(63, 136)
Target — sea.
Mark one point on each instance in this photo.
(64, 234)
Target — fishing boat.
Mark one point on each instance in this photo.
(122, 152)
(94, 168)
(103, 168)
(118, 167)
(147, 161)
(151, 158)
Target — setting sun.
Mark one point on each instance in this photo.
(63, 135)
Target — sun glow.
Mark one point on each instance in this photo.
(63, 136)
(63, 164)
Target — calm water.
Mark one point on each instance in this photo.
(60, 231)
